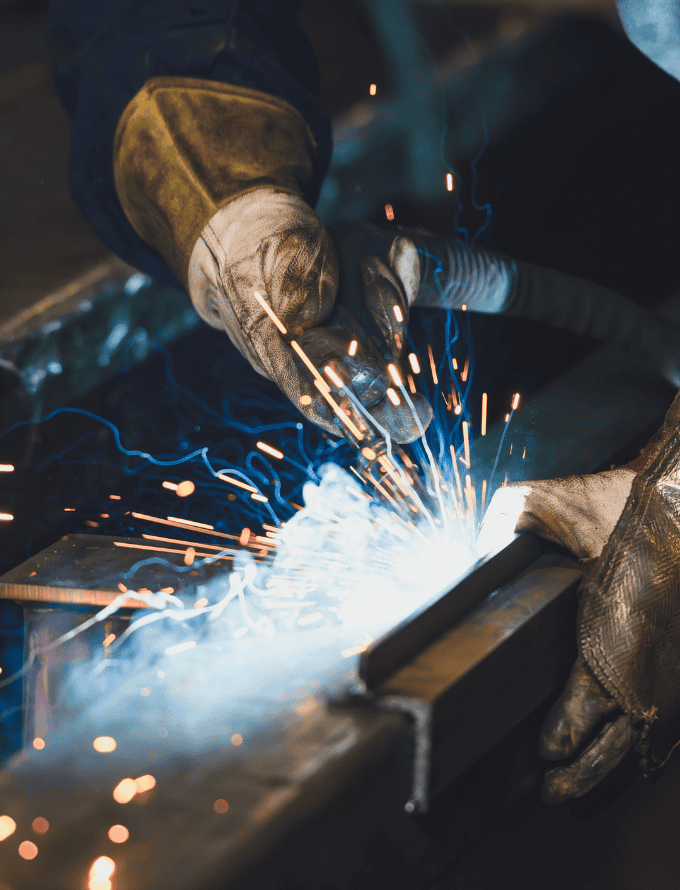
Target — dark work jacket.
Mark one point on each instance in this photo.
(104, 51)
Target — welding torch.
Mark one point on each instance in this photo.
(356, 355)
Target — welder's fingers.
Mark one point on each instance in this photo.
(361, 374)
(338, 356)
(599, 759)
(578, 712)
(386, 300)
(404, 423)
(578, 512)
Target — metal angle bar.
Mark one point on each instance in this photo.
(469, 688)
(399, 645)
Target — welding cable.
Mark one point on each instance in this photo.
(453, 275)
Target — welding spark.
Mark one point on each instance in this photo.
(353, 347)
(274, 452)
(180, 647)
(270, 312)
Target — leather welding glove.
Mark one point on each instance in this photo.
(210, 175)
(624, 690)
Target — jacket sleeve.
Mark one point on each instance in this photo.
(104, 52)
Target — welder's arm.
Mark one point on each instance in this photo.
(210, 175)
(624, 691)
(198, 151)
(452, 274)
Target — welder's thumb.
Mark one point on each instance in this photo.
(577, 512)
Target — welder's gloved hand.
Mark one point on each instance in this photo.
(210, 175)
(623, 692)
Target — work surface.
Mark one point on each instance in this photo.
(325, 793)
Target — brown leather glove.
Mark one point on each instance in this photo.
(624, 690)
(210, 175)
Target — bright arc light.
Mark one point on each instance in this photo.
(449, 182)
(6, 517)
(6, 468)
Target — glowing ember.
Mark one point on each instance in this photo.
(185, 488)
(118, 834)
(28, 850)
(220, 805)
(145, 783)
(40, 825)
(125, 791)
(104, 744)
(38, 744)
(7, 827)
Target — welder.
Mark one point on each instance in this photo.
(198, 152)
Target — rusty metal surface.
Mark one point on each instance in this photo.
(387, 654)
(85, 571)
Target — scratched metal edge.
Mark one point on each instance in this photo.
(46, 594)
(17, 584)
(515, 673)
(403, 642)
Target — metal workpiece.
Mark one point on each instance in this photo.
(85, 571)
(398, 646)
(61, 589)
(274, 785)
(61, 347)
(468, 689)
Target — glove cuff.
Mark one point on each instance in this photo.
(186, 147)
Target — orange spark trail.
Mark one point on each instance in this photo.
(435, 379)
